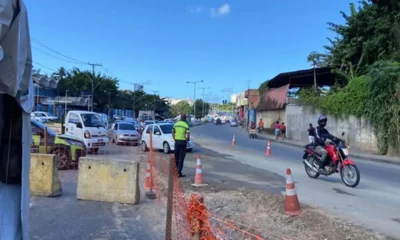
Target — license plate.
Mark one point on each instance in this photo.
(100, 140)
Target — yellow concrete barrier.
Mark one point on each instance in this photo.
(43, 177)
(108, 181)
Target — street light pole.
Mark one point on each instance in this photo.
(66, 100)
(194, 100)
(93, 65)
(203, 110)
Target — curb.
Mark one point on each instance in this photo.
(355, 155)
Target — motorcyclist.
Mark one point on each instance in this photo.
(322, 137)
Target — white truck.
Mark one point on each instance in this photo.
(146, 115)
(89, 127)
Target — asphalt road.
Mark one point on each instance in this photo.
(374, 203)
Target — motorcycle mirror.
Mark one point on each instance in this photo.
(342, 133)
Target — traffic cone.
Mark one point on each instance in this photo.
(268, 152)
(292, 205)
(147, 183)
(233, 141)
(198, 180)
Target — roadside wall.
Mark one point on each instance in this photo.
(270, 117)
(359, 133)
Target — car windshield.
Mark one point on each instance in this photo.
(166, 128)
(51, 115)
(126, 126)
(148, 122)
(40, 125)
(92, 120)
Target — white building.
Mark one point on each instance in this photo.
(234, 98)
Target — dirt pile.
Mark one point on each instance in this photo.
(262, 214)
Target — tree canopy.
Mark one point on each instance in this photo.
(366, 54)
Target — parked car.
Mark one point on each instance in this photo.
(67, 149)
(87, 126)
(45, 115)
(223, 121)
(40, 119)
(148, 122)
(234, 122)
(162, 138)
(125, 132)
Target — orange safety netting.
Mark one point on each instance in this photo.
(191, 218)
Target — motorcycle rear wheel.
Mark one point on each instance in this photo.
(355, 171)
(311, 173)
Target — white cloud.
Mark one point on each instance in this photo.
(197, 9)
(224, 10)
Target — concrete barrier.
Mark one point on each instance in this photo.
(108, 181)
(43, 177)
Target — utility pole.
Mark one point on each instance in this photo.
(93, 65)
(66, 100)
(248, 104)
(154, 103)
(194, 100)
(203, 110)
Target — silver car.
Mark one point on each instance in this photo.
(125, 132)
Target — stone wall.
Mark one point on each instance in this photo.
(359, 133)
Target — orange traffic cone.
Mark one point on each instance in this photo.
(198, 180)
(268, 152)
(233, 141)
(147, 183)
(292, 205)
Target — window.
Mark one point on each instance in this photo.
(74, 118)
(149, 128)
(126, 126)
(156, 129)
(167, 128)
(92, 120)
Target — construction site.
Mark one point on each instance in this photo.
(141, 197)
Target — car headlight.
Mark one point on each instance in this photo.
(121, 135)
(172, 140)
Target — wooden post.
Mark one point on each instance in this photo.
(170, 200)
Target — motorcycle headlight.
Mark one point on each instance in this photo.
(345, 151)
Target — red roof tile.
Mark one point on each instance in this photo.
(274, 99)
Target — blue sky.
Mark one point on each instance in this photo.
(166, 43)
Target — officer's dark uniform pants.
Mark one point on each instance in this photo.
(180, 153)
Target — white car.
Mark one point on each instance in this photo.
(162, 138)
(39, 119)
(45, 115)
(125, 132)
(223, 121)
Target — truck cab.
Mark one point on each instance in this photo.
(89, 127)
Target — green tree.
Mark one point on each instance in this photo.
(179, 108)
(76, 81)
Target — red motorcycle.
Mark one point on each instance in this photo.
(338, 162)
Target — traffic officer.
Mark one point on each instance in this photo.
(181, 135)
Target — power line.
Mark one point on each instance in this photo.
(44, 66)
(56, 56)
(44, 45)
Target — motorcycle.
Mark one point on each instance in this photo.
(338, 162)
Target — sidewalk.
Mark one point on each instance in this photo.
(354, 154)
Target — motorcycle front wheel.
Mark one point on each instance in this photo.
(350, 175)
(311, 173)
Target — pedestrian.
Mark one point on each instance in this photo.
(181, 135)
(283, 130)
(277, 128)
(261, 125)
(311, 133)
